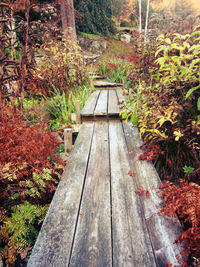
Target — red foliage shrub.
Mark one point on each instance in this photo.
(23, 151)
(151, 152)
(132, 58)
(185, 200)
(113, 66)
(18, 142)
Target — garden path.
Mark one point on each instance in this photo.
(96, 218)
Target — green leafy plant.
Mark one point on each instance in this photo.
(20, 230)
(115, 70)
(165, 109)
(59, 107)
(179, 64)
(188, 170)
(134, 106)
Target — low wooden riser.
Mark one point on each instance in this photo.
(106, 85)
(101, 118)
(107, 88)
(99, 78)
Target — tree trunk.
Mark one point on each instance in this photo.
(24, 59)
(67, 17)
(146, 24)
(12, 26)
(140, 16)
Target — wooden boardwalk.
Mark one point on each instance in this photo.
(102, 105)
(96, 218)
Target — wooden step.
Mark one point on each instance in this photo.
(99, 77)
(106, 85)
(96, 76)
(102, 105)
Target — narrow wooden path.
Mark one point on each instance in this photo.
(96, 218)
(102, 105)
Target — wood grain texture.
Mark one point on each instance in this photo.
(131, 242)
(167, 255)
(92, 245)
(99, 77)
(163, 230)
(53, 245)
(113, 107)
(120, 96)
(102, 104)
(90, 105)
(106, 84)
(147, 176)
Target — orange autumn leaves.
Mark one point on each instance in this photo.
(140, 191)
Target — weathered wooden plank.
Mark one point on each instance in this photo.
(90, 105)
(147, 176)
(98, 84)
(102, 104)
(131, 242)
(120, 96)
(113, 107)
(53, 245)
(163, 230)
(99, 77)
(167, 255)
(92, 245)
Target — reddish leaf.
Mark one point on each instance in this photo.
(147, 194)
(131, 173)
(24, 253)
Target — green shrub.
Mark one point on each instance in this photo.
(21, 230)
(166, 110)
(115, 70)
(59, 107)
(60, 65)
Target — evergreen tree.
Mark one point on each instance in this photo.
(95, 16)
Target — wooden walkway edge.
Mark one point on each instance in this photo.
(96, 218)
